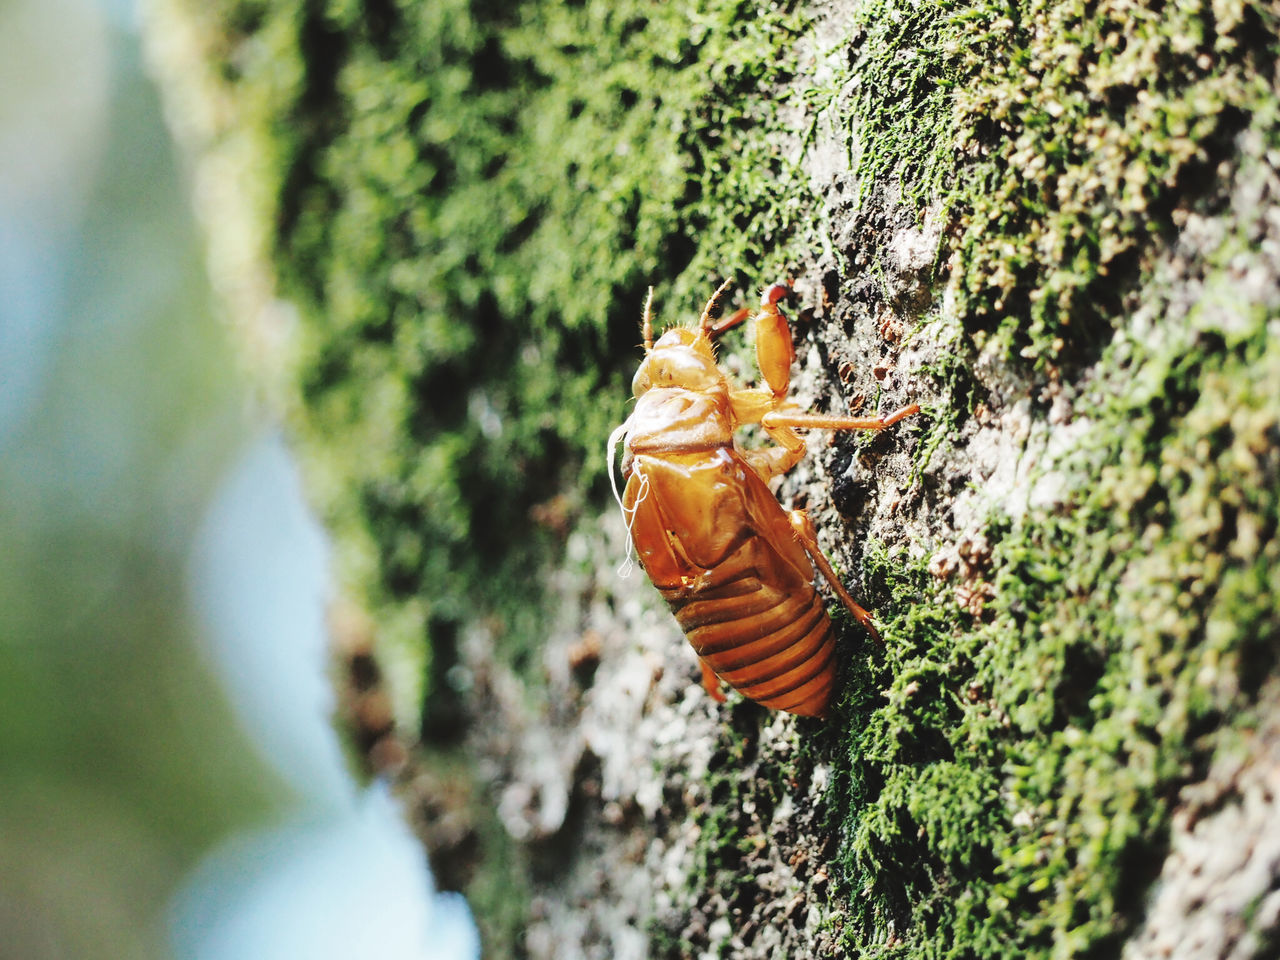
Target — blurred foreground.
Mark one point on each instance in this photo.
(169, 781)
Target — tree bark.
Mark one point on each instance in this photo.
(1053, 225)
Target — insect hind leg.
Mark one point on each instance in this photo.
(710, 682)
(808, 537)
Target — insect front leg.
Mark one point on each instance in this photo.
(775, 350)
(751, 406)
(781, 424)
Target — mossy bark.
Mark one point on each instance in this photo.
(1055, 225)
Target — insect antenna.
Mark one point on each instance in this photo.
(705, 324)
(646, 325)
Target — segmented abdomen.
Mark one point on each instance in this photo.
(761, 630)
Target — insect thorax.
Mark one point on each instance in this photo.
(673, 420)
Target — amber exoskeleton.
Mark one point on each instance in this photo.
(734, 566)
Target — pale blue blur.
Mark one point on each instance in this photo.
(170, 782)
(260, 584)
(344, 877)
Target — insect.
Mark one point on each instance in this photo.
(735, 567)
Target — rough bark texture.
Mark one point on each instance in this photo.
(1055, 225)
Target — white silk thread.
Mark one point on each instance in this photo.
(628, 516)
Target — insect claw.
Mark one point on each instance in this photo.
(870, 626)
(773, 293)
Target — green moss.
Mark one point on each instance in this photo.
(471, 201)
(1005, 783)
(1060, 136)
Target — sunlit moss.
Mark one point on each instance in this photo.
(1003, 782)
(1011, 782)
(1063, 137)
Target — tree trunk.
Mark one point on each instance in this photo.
(1054, 225)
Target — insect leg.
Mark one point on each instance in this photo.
(769, 462)
(751, 406)
(808, 536)
(725, 324)
(820, 421)
(775, 351)
(705, 324)
(710, 682)
(781, 426)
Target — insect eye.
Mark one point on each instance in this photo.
(641, 381)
